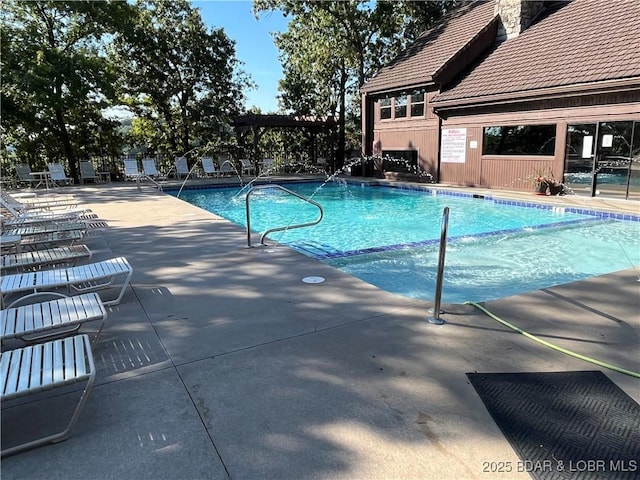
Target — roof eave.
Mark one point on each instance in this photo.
(609, 86)
(427, 85)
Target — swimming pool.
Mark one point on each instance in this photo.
(389, 237)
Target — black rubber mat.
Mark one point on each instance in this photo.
(563, 425)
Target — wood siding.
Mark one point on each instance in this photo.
(419, 135)
(515, 172)
(509, 172)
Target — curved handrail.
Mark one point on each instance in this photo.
(278, 229)
(146, 177)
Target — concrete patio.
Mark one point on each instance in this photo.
(221, 363)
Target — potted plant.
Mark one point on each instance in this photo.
(544, 181)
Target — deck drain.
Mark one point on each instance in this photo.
(313, 279)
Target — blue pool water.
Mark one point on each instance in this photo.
(389, 238)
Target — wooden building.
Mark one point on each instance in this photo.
(504, 89)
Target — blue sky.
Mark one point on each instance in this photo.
(254, 44)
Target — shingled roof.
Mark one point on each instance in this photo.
(421, 61)
(580, 44)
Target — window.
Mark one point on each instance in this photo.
(385, 108)
(401, 106)
(519, 140)
(417, 103)
(580, 147)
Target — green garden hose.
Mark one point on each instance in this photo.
(555, 347)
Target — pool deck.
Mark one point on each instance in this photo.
(221, 363)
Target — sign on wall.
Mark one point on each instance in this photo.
(453, 145)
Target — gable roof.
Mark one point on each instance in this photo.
(580, 44)
(424, 58)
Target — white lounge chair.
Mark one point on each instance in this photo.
(32, 196)
(13, 217)
(55, 318)
(37, 218)
(88, 172)
(39, 203)
(58, 177)
(91, 277)
(26, 230)
(247, 167)
(149, 168)
(53, 226)
(46, 366)
(208, 167)
(131, 171)
(51, 257)
(44, 240)
(23, 171)
(182, 168)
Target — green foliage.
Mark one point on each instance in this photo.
(64, 62)
(182, 80)
(55, 76)
(332, 48)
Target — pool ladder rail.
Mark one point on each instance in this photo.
(142, 176)
(279, 229)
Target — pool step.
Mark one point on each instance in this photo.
(314, 249)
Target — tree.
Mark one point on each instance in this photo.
(177, 76)
(55, 75)
(332, 48)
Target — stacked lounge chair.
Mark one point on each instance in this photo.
(50, 297)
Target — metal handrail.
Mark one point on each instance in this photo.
(435, 318)
(142, 175)
(278, 229)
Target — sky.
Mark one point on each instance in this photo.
(254, 44)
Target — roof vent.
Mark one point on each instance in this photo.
(515, 16)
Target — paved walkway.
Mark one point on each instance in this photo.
(221, 363)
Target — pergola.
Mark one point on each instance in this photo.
(258, 124)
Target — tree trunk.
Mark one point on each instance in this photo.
(68, 149)
(341, 118)
(185, 136)
(185, 123)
